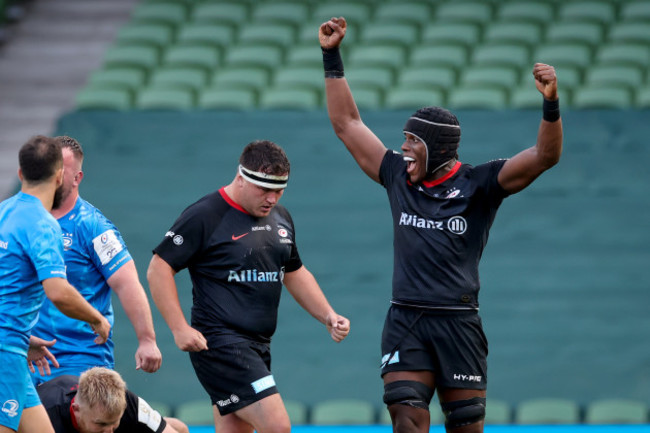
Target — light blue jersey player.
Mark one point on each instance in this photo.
(31, 267)
(97, 263)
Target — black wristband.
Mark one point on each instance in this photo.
(332, 62)
(551, 110)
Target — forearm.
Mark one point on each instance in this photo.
(550, 135)
(305, 290)
(165, 293)
(136, 306)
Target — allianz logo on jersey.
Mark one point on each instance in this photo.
(456, 224)
(255, 276)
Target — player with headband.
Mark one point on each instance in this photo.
(442, 211)
(239, 246)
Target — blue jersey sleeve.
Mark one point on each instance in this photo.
(46, 250)
(106, 248)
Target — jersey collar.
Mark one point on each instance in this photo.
(230, 201)
(432, 183)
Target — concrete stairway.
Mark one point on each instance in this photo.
(44, 62)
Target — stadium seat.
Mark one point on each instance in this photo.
(547, 411)
(354, 13)
(526, 33)
(504, 54)
(188, 78)
(297, 412)
(127, 78)
(233, 13)
(310, 77)
(398, 98)
(197, 56)
(293, 13)
(527, 97)
(540, 12)
(165, 97)
(616, 411)
(242, 77)
(503, 77)
(498, 411)
(601, 12)
(268, 57)
(387, 56)
(637, 32)
(212, 34)
(172, 14)
(630, 77)
(426, 77)
(635, 11)
(416, 12)
(571, 76)
(158, 35)
(474, 12)
(633, 54)
(445, 33)
(643, 98)
(370, 77)
(144, 57)
(307, 54)
(195, 412)
(569, 32)
(575, 55)
(599, 97)
(343, 411)
(227, 98)
(453, 56)
(101, 98)
(308, 33)
(260, 34)
(402, 34)
(289, 98)
(481, 98)
(367, 98)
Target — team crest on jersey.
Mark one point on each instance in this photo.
(454, 192)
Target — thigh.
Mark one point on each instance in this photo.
(403, 347)
(35, 420)
(267, 415)
(15, 387)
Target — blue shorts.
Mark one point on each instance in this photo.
(16, 389)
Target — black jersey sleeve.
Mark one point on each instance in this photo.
(390, 165)
(139, 417)
(185, 239)
(487, 175)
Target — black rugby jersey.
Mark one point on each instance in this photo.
(236, 262)
(439, 231)
(57, 396)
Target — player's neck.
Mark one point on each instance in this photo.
(66, 205)
(42, 191)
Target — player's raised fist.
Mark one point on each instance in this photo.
(332, 32)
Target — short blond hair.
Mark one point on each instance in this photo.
(103, 388)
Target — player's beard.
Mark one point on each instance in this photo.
(58, 197)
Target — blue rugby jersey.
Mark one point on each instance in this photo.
(93, 251)
(31, 251)
(440, 229)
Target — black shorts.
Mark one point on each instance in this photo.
(450, 344)
(235, 375)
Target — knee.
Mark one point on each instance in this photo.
(408, 393)
(463, 412)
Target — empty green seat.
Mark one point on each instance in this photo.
(388, 56)
(616, 411)
(599, 97)
(474, 12)
(402, 34)
(413, 98)
(165, 98)
(638, 32)
(184, 77)
(281, 35)
(305, 55)
(355, 13)
(195, 412)
(294, 13)
(643, 97)
(227, 98)
(504, 54)
(213, 34)
(527, 97)
(416, 12)
(127, 78)
(233, 13)
(445, 33)
(627, 76)
(454, 56)
(635, 11)
(540, 12)
(367, 98)
(575, 55)
(634, 54)
(526, 33)
(301, 76)
(158, 35)
(563, 32)
(503, 77)
(197, 56)
(477, 98)
(370, 77)
(268, 57)
(343, 412)
(547, 411)
(166, 13)
(289, 98)
(426, 77)
(245, 77)
(144, 57)
(102, 98)
(602, 12)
